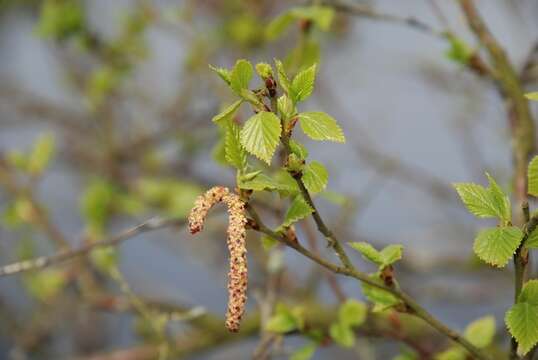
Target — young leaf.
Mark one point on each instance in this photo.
(320, 126)
(368, 252)
(390, 254)
(234, 153)
(241, 75)
(283, 79)
(277, 26)
(281, 323)
(224, 74)
(382, 299)
(285, 319)
(41, 154)
(383, 258)
(452, 353)
(522, 318)
(500, 199)
(315, 177)
(299, 209)
(485, 203)
(532, 240)
(343, 335)
(352, 313)
(285, 107)
(480, 332)
(532, 96)
(304, 353)
(227, 114)
(532, 175)
(260, 135)
(322, 16)
(259, 182)
(303, 84)
(298, 149)
(496, 246)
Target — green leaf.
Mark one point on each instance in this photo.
(60, 19)
(453, 353)
(299, 209)
(367, 251)
(390, 254)
(277, 26)
(227, 114)
(224, 74)
(320, 126)
(382, 299)
(480, 332)
(283, 79)
(45, 284)
(315, 177)
(285, 320)
(303, 84)
(260, 135)
(322, 16)
(500, 199)
(459, 51)
(532, 96)
(241, 76)
(532, 240)
(286, 184)
(264, 70)
(105, 258)
(529, 293)
(234, 153)
(285, 107)
(259, 182)
(496, 246)
(485, 203)
(352, 313)
(343, 335)
(268, 242)
(298, 149)
(41, 154)
(281, 324)
(533, 176)
(522, 318)
(304, 353)
(383, 258)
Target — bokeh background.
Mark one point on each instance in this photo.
(105, 120)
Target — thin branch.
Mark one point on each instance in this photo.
(66, 255)
(366, 11)
(412, 306)
(523, 132)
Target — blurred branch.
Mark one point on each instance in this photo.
(522, 126)
(62, 256)
(368, 12)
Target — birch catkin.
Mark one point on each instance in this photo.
(238, 274)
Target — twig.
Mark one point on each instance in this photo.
(62, 256)
(368, 12)
(413, 307)
(522, 126)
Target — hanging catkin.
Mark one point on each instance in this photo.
(238, 274)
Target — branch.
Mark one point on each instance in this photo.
(366, 11)
(412, 306)
(66, 255)
(522, 126)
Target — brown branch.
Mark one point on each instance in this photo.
(70, 254)
(522, 126)
(412, 307)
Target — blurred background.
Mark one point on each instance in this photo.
(105, 121)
